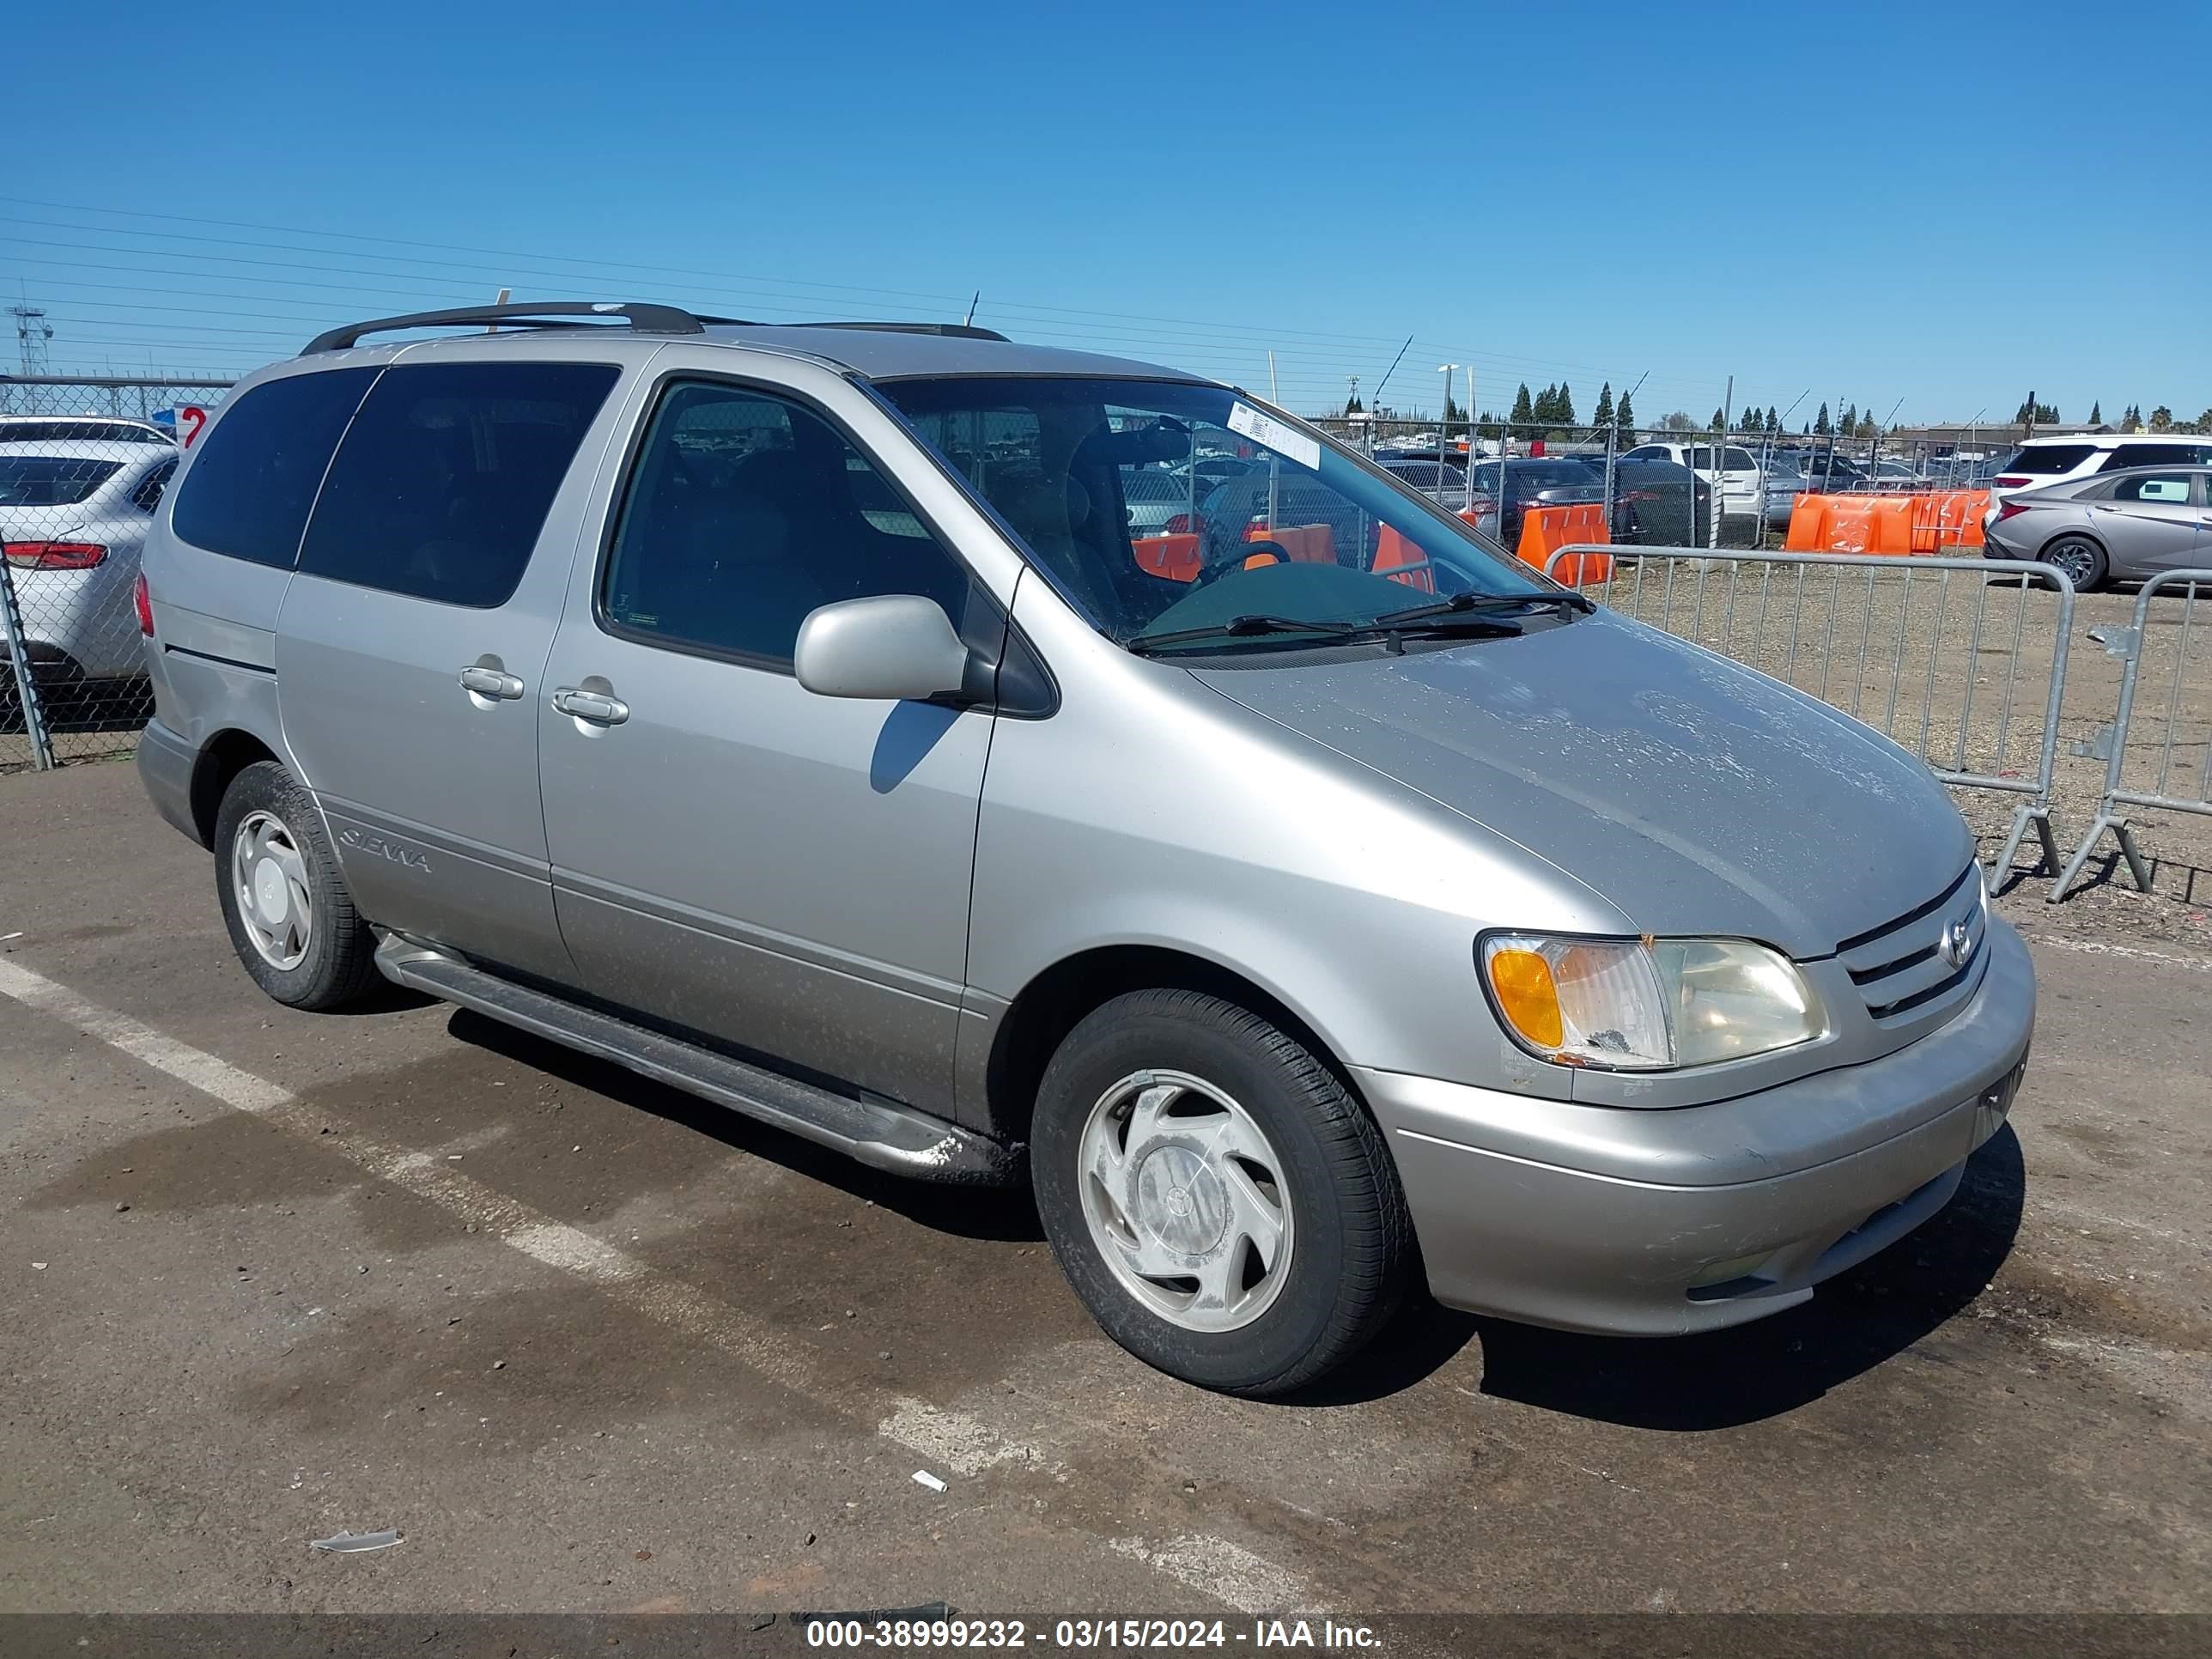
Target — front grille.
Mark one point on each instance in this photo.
(1901, 967)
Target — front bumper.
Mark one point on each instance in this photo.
(1594, 1222)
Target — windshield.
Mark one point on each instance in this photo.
(51, 480)
(1305, 533)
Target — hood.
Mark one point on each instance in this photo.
(1696, 795)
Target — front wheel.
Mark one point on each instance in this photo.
(1223, 1207)
(2081, 559)
(291, 920)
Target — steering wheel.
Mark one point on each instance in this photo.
(1235, 559)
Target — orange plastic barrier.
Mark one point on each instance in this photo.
(1175, 557)
(1545, 530)
(1925, 523)
(1402, 561)
(1808, 525)
(1306, 543)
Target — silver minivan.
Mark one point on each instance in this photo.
(1306, 898)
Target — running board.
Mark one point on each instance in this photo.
(878, 1133)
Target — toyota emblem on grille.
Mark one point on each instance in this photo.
(1957, 943)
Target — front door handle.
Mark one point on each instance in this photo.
(600, 708)
(487, 681)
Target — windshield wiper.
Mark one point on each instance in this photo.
(1237, 627)
(1482, 604)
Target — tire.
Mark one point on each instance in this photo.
(317, 954)
(2081, 558)
(1222, 1083)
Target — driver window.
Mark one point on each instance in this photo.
(745, 511)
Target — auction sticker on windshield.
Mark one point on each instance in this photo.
(1287, 441)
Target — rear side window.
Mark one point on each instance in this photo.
(250, 487)
(148, 495)
(2165, 488)
(2049, 460)
(444, 478)
(1738, 460)
(2167, 454)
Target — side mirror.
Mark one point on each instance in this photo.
(894, 647)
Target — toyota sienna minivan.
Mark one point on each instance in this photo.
(1305, 897)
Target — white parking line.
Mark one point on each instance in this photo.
(1214, 1566)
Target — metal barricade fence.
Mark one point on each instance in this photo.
(83, 464)
(1954, 659)
(2180, 735)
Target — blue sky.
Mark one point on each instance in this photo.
(1944, 203)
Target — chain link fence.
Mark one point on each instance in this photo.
(83, 464)
(1665, 487)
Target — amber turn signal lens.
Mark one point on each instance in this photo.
(1527, 996)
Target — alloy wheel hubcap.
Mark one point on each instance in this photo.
(1186, 1201)
(269, 878)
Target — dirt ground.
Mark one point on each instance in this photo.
(590, 1345)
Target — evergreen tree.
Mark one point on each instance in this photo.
(1601, 417)
(1820, 426)
(1624, 419)
(2096, 414)
(1850, 421)
(1562, 409)
(1524, 412)
(1719, 422)
(2161, 419)
(1453, 415)
(1773, 420)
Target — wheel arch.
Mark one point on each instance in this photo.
(1055, 1001)
(222, 758)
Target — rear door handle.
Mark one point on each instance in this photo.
(599, 707)
(490, 683)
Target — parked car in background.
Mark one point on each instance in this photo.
(81, 428)
(1829, 472)
(1292, 930)
(2043, 461)
(1538, 481)
(2110, 526)
(1660, 504)
(1785, 481)
(1742, 487)
(1440, 481)
(74, 515)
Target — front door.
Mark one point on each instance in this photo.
(412, 638)
(733, 854)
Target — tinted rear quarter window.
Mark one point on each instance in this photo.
(443, 479)
(2165, 454)
(2048, 461)
(248, 490)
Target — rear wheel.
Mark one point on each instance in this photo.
(291, 920)
(2081, 558)
(1224, 1207)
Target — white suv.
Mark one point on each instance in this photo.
(2051, 460)
(1743, 491)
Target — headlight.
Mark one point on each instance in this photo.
(1647, 1005)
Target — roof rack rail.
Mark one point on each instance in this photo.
(643, 318)
(950, 330)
